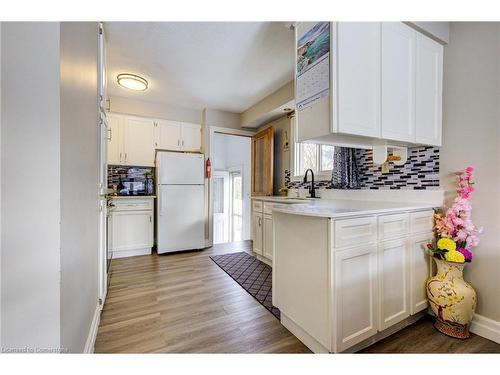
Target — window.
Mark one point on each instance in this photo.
(317, 157)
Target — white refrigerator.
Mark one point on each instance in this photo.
(180, 201)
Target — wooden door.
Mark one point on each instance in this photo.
(394, 280)
(398, 82)
(359, 78)
(190, 137)
(429, 87)
(262, 162)
(356, 297)
(168, 135)
(139, 142)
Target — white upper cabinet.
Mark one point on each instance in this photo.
(168, 135)
(429, 91)
(139, 140)
(385, 86)
(398, 82)
(190, 137)
(358, 67)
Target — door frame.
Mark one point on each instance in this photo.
(227, 198)
(236, 169)
(208, 149)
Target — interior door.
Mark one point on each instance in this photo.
(263, 162)
(169, 135)
(103, 250)
(139, 142)
(191, 137)
(221, 206)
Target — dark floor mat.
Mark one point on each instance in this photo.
(253, 275)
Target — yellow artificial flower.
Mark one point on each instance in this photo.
(454, 256)
(446, 244)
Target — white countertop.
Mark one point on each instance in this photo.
(344, 208)
(280, 199)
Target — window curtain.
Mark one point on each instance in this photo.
(345, 173)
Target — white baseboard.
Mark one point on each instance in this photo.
(486, 327)
(89, 344)
(131, 252)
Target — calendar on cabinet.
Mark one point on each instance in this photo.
(313, 65)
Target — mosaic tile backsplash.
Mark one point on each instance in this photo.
(128, 174)
(420, 172)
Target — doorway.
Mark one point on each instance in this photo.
(231, 187)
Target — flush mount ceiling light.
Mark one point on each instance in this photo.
(132, 81)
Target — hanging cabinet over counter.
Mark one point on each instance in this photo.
(381, 83)
(133, 140)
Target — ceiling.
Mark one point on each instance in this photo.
(220, 65)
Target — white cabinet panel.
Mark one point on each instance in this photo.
(132, 230)
(115, 140)
(356, 297)
(359, 230)
(393, 282)
(420, 269)
(358, 68)
(257, 232)
(168, 135)
(190, 137)
(392, 226)
(429, 87)
(139, 142)
(268, 237)
(398, 82)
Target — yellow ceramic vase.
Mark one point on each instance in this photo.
(452, 299)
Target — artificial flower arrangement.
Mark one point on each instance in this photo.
(455, 232)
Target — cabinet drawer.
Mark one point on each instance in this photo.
(351, 232)
(268, 208)
(257, 206)
(421, 221)
(390, 226)
(132, 204)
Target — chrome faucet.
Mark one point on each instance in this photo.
(312, 191)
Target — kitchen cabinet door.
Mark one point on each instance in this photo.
(429, 91)
(131, 230)
(115, 140)
(356, 295)
(257, 232)
(139, 142)
(190, 137)
(168, 135)
(262, 162)
(420, 271)
(358, 67)
(394, 281)
(398, 82)
(268, 237)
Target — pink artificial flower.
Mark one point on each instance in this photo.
(466, 253)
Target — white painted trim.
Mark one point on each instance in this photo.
(89, 344)
(131, 252)
(302, 335)
(486, 327)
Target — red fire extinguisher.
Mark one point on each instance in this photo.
(208, 168)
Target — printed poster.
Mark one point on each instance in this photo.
(313, 65)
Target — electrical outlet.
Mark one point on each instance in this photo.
(385, 167)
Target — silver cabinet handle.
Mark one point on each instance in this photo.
(260, 221)
(120, 156)
(178, 142)
(183, 142)
(110, 135)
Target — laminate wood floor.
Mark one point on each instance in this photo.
(184, 303)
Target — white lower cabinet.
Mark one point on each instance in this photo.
(267, 242)
(257, 232)
(394, 291)
(420, 269)
(131, 225)
(356, 295)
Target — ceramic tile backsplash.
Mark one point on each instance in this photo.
(420, 172)
(129, 174)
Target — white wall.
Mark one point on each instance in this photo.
(222, 119)
(235, 151)
(471, 137)
(157, 110)
(30, 169)
(79, 181)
